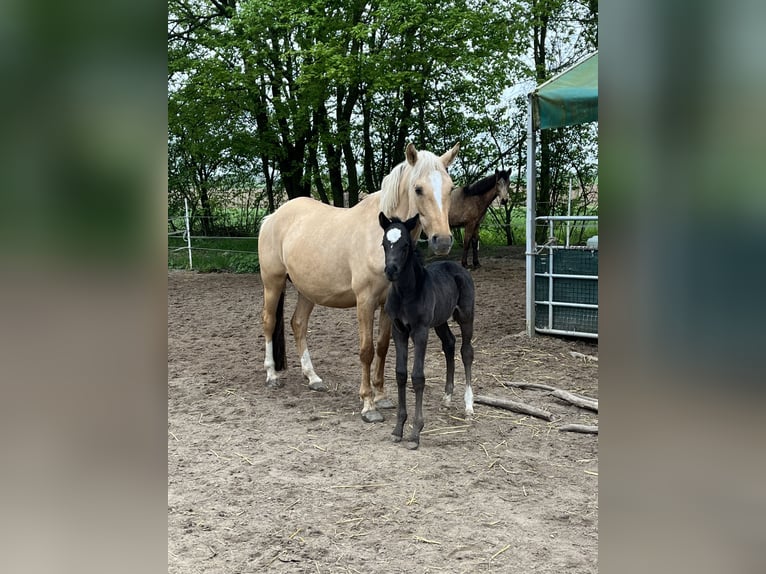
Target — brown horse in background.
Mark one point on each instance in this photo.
(333, 256)
(470, 204)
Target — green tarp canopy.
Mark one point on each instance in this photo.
(568, 99)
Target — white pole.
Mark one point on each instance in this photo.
(531, 200)
(188, 232)
(569, 210)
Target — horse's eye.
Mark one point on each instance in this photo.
(419, 190)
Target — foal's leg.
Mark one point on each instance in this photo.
(448, 346)
(384, 338)
(420, 340)
(300, 325)
(365, 314)
(401, 342)
(465, 320)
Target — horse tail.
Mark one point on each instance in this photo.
(278, 337)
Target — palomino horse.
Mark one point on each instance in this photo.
(334, 258)
(421, 298)
(470, 204)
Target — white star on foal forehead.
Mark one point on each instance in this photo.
(393, 235)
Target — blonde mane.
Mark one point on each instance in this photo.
(389, 190)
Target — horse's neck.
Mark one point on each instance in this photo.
(487, 196)
(403, 212)
(411, 278)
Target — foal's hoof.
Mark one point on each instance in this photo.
(385, 404)
(412, 445)
(318, 386)
(372, 417)
(274, 384)
(396, 438)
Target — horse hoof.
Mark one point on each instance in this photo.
(372, 417)
(385, 404)
(412, 445)
(318, 386)
(274, 384)
(395, 438)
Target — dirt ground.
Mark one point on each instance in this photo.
(291, 480)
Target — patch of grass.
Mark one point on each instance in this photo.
(234, 255)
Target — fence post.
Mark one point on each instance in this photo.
(188, 232)
(531, 205)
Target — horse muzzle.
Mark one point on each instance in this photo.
(441, 244)
(392, 272)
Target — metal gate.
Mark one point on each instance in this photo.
(566, 286)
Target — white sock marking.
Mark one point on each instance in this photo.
(308, 368)
(468, 400)
(268, 363)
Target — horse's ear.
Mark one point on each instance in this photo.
(411, 153)
(384, 221)
(412, 222)
(449, 156)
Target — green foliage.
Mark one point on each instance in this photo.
(310, 97)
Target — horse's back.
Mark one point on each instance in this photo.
(450, 269)
(322, 248)
(300, 225)
(453, 287)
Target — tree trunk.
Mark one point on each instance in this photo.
(408, 102)
(370, 182)
(318, 183)
(331, 155)
(344, 134)
(207, 211)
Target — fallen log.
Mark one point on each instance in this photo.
(577, 355)
(513, 406)
(530, 386)
(582, 402)
(588, 429)
(575, 399)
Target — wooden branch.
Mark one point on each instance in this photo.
(575, 399)
(530, 386)
(513, 406)
(579, 428)
(577, 355)
(582, 402)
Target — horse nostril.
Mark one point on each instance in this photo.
(441, 244)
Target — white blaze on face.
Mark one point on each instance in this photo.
(393, 235)
(436, 183)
